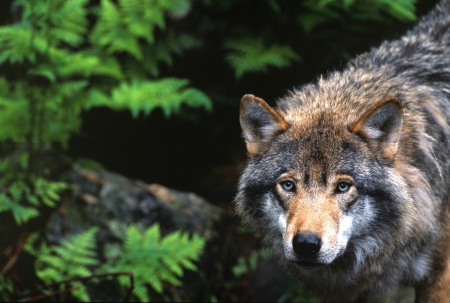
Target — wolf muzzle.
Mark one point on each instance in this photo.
(306, 246)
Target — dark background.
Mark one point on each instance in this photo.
(197, 151)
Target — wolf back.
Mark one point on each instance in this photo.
(348, 178)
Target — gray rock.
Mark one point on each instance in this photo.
(112, 202)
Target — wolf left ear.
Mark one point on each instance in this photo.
(260, 124)
(381, 127)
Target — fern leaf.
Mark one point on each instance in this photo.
(69, 259)
(141, 292)
(22, 214)
(111, 32)
(81, 293)
(133, 238)
(5, 203)
(15, 44)
(69, 21)
(402, 10)
(142, 16)
(153, 261)
(47, 191)
(168, 94)
(54, 261)
(251, 55)
(164, 50)
(49, 275)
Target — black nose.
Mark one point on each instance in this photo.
(306, 244)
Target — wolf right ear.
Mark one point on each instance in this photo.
(381, 127)
(260, 124)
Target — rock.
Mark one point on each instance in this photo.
(112, 202)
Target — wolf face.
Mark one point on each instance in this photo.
(312, 179)
(324, 192)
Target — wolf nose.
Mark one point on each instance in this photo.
(306, 244)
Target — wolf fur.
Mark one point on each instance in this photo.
(348, 178)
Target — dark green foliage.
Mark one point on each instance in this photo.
(18, 197)
(154, 260)
(342, 22)
(249, 55)
(63, 57)
(74, 257)
(6, 289)
(245, 265)
(68, 65)
(339, 11)
(168, 93)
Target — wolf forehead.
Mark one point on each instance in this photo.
(313, 150)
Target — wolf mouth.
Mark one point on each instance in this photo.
(308, 265)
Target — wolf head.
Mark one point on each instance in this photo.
(315, 183)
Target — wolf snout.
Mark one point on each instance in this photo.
(306, 245)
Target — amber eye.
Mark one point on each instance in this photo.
(342, 187)
(288, 186)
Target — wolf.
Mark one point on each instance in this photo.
(348, 178)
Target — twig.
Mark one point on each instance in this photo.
(13, 259)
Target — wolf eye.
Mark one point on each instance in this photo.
(342, 187)
(288, 186)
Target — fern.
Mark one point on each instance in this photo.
(162, 51)
(73, 257)
(328, 11)
(144, 96)
(20, 213)
(15, 44)
(69, 66)
(250, 55)
(245, 265)
(17, 191)
(121, 25)
(6, 289)
(154, 260)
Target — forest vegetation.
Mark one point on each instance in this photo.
(125, 84)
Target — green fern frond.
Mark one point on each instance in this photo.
(15, 44)
(154, 260)
(69, 24)
(403, 10)
(168, 94)
(21, 198)
(165, 48)
(327, 11)
(48, 191)
(20, 213)
(111, 32)
(72, 258)
(141, 17)
(250, 55)
(6, 289)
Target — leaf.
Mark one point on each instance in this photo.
(22, 214)
(402, 10)
(15, 44)
(168, 94)
(73, 257)
(69, 24)
(250, 55)
(154, 260)
(111, 32)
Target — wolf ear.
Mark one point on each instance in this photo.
(381, 127)
(260, 124)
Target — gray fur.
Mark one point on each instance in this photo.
(399, 221)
